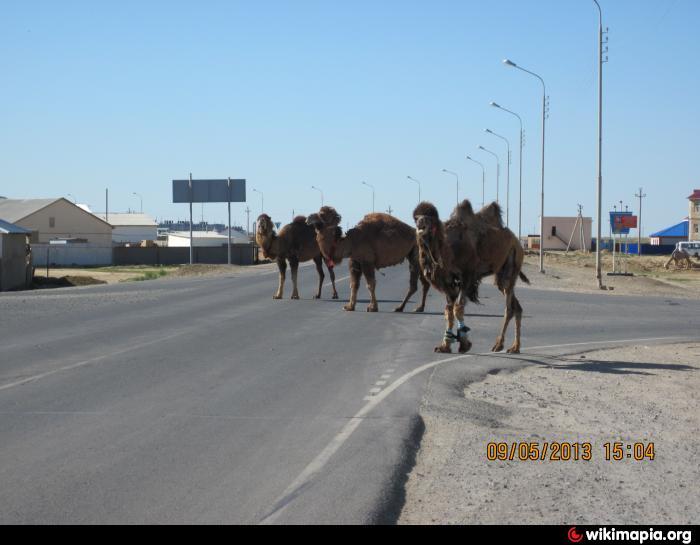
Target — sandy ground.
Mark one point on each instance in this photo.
(633, 394)
(576, 272)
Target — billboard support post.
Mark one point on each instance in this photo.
(190, 192)
(229, 220)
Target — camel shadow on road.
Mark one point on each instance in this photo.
(615, 367)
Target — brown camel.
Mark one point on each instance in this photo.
(680, 258)
(458, 254)
(296, 243)
(378, 241)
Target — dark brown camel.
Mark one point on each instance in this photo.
(458, 254)
(296, 243)
(378, 241)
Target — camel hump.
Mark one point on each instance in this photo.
(299, 219)
(463, 211)
(329, 215)
(492, 214)
(426, 208)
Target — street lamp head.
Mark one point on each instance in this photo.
(508, 62)
(487, 130)
(444, 170)
(494, 105)
(482, 147)
(468, 157)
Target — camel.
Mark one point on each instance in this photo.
(295, 243)
(378, 241)
(458, 254)
(679, 258)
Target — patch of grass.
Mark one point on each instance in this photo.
(149, 275)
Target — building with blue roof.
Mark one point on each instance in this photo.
(671, 235)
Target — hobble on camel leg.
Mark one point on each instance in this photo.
(498, 346)
(282, 266)
(371, 286)
(355, 275)
(449, 337)
(294, 265)
(462, 330)
(319, 269)
(518, 311)
(331, 273)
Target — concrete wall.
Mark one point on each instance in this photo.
(241, 254)
(134, 233)
(15, 272)
(564, 229)
(72, 255)
(69, 221)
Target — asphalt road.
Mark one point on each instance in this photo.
(205, 401)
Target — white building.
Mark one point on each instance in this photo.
(132, 228)
(207, 239)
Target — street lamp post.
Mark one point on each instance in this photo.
(418, 182)
(507, 174)
(262, 200)
(141, 198)
(483, 178)
(598, 273)
(456, 176)
(544, 113)
(520, 189)
(372, 188)
(320, 191)
(498, 167)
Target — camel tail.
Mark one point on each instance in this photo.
(523, 277)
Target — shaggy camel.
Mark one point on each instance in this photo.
(296, 243)
(378, 241)
(458, 254)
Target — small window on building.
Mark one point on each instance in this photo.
(696, 227)
(52, 222)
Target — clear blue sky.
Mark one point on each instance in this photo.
(289, 94)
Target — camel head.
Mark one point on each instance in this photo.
(429, 236)
(328, 234)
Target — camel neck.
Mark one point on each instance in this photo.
(269, 245)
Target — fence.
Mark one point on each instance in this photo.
(241, 254)
(71, 255)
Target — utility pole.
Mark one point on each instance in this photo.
(602, 50)
(389, 210)
(640, 196)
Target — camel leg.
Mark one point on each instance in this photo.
(462, 330)
(518, 310)
(426, 286)
(319, 269)
(506, 320)
(444, 347)
(412, 285)
(368, 271)
(294, 265)
(355, 274)
(331, 273)
(282, 266)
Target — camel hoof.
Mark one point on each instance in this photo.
(514, 350)
(442, 349)
(497, 347)
(295, 297)
(335, 296)
(317, 296)
(372, 309)
(349, 308)
(277, 297)
(464, 346)
(419, 309)
(398, 309)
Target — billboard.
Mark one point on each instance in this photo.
(622, 222)
(208, 191)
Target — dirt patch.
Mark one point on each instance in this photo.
(575, 272)
(634, 394)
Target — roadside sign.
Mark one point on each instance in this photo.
(622, 222)
(208, 191)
